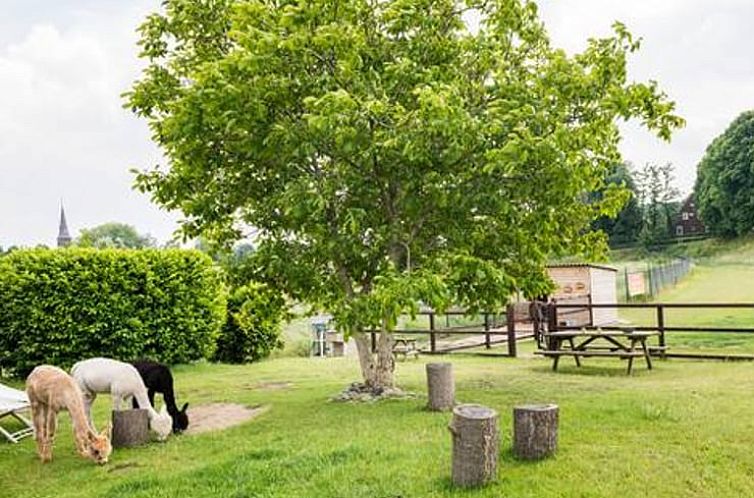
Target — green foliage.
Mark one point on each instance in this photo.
(60, 306)
(114, 235)
(625, 228)
(658, 198)
(725, 181)
(384, 152)
(252, 327)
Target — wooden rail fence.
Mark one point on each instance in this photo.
(496, 329)
(660, 325)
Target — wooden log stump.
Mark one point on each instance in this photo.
(130, 428)
(476, 443)
(535, 431)
(441, 389)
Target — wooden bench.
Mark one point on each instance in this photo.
(406, 348)
(621, 345)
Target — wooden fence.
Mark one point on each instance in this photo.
(660, 325)
(495, 329)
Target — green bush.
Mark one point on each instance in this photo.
(253, 322)
(60, 306)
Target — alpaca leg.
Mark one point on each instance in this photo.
(117, 400)
(51, 425)
(39, 416)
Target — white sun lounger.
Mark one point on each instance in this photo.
(13, 401)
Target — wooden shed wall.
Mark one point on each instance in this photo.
(573, 287)
(604, 292)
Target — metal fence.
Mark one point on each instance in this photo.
(648, 282)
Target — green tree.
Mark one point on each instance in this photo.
(658, 198)
(116, 235)
(725, 180)
(386, 153)
(625, 228)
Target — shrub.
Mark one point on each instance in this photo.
(60, 306)
(252, 326)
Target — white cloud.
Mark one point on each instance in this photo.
(698, 50)
(63, 66)
(63, 132)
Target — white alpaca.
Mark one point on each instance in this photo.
(123, 382)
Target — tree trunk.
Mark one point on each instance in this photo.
(377, 369)
(441, 389)
(476, 443)
(130, 428)
(535, 431)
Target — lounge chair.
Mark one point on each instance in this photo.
(12, 402)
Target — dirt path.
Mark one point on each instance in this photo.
(218, 416)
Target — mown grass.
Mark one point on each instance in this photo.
(679, 430)
(723, 276)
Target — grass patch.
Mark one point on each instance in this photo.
(675, 431)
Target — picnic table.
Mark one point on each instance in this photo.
(618, 344)
(405, 346)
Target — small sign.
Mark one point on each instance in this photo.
(636, 286)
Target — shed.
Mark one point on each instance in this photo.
(582, 283)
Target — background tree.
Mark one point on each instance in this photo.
(359, 135)
(725, 180)
(625, 228)
(118, 235)
(658, 198)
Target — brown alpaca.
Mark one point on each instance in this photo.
(50, 391)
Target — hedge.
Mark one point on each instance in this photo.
(58, 306)
(252, 328)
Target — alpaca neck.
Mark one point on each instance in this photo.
(169, 397)
(143, 400)
(81, 427)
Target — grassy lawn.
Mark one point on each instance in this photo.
(707, 283)
(679, 430)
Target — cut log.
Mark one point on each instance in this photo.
(441, 389)
(535, 431)
(130, 428)
(476, 443)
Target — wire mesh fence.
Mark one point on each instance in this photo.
(647, 282)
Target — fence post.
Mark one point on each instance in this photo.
(487, 343)
(625, 277)
(650, 280)
(661, 327)
(511, 321)
(432, 344)
(374, 341)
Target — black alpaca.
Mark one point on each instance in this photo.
(158, 379)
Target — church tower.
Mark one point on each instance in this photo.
(64, 238)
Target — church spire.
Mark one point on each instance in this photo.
(64, 238)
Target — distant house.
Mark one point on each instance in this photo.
(688, 222)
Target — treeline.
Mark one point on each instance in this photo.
(649, 214)
(723, 192)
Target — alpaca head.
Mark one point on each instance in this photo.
(99, 447)
(180, 419)
(162, 424)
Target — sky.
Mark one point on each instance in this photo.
(64, 135)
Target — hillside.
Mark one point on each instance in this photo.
(723, 272)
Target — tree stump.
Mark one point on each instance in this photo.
(476, 443)
(441, 388)
(535, 431)
(130, 428)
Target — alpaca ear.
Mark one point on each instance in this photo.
(184, 408)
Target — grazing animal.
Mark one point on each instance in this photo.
(50, 391)
(122, 381)
(158, 379)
